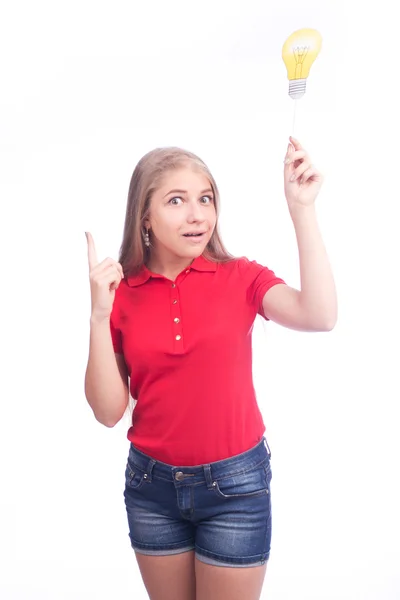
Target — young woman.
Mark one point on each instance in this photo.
(171, 323)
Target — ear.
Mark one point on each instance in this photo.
(146, 223)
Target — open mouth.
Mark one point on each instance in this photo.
(194, 235)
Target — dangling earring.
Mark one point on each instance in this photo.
(147, 238)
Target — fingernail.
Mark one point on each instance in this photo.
(293, 177)
(288, 161)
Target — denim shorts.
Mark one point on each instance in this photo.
(222, 510)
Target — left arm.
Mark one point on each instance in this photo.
(314, 307)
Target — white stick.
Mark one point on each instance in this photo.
(294, 117)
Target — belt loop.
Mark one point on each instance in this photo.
(208, 476)
(149, 470)
(268, 448)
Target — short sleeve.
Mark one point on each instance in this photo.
(258, 279)
(114, 329)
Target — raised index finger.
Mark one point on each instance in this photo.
(92, 256)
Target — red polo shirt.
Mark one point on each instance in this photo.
(187, 346)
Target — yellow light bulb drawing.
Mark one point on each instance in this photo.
(299, 53)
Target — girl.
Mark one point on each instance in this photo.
(171, 323)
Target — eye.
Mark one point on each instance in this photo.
(172, 200)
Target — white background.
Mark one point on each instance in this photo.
(87, 88)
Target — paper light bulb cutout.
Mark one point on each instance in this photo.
(299, 53)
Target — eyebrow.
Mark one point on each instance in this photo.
(185, 192)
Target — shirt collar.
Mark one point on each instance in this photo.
(199, 264)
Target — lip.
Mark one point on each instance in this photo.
(195, 240)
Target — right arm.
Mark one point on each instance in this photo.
(106, 380)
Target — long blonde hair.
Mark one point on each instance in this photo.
(146, 179)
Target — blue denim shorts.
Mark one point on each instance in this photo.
(222, 510)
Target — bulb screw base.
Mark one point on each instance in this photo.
(297, 88)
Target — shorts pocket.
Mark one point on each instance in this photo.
(243, 485)
(134, 477)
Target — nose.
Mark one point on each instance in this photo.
(195, 212)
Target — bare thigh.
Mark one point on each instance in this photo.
(168, 577)
(228, 583)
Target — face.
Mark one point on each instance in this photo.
(182, 205)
